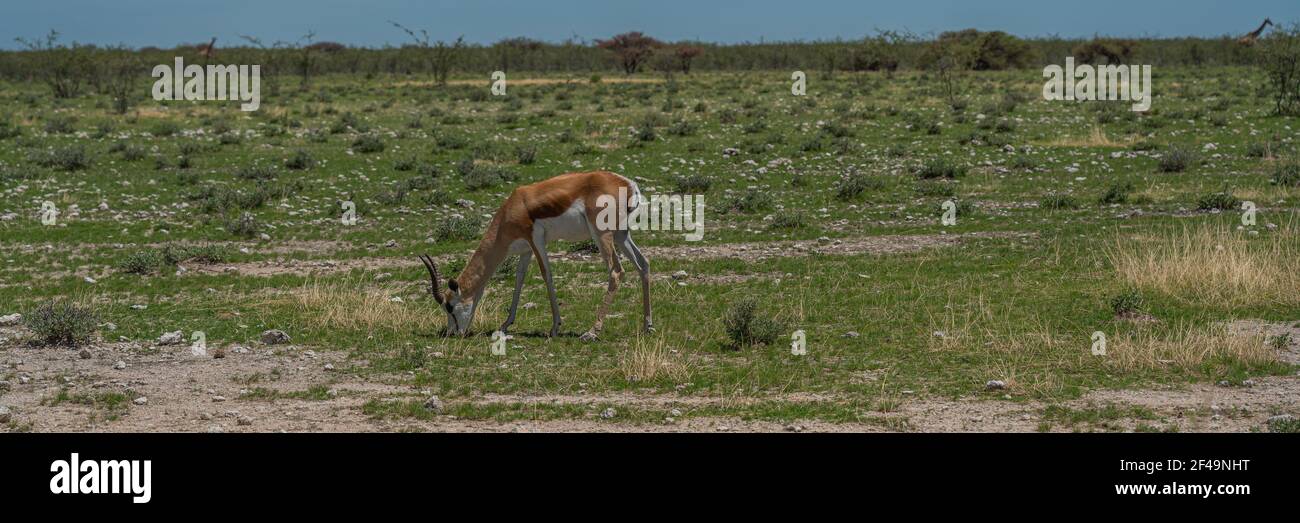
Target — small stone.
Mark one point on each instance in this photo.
(1281, 418)
(218, 399)
(140, 401)
(680, 275)
(333, 393)
(5, 385)
(239, 349)
(940, 334)
(84, 354)
(171, 338)
(244, 420)
(1248, 383)
(851, 334)
(119, 365)
(4, 414)
(90, 280)
(205, 416)
(676, 413)
(433, 403)
(329, 367)
(995, 385)
(274, 337)
(608, 413)
(11, 319)
(216, 429)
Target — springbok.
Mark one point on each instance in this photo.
(561, 208)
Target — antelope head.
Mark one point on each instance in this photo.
(460, 313)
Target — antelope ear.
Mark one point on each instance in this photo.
(451, 284)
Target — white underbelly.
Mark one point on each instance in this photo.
(570, 226)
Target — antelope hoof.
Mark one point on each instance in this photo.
(649, 329)
(589, 336)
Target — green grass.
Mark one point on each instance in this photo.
(878, 169)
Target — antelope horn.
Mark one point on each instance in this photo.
(433, 276)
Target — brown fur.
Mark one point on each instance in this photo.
(525, 205)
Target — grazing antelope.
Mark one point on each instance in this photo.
(561, 208)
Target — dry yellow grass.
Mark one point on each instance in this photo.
(369, 309)
(650, 358)
(1185, 346)
(1214, 264)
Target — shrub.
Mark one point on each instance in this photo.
(693, 183)
(790, 220)
(72, 158)
(750, 201)
(60, 323)
(456, 228)
(854, 184)
(1287, 173)
(1223, 200)
(526, 155)
(1117, 193)
(300, 160)
(483, 176)
(164, 128)
(1176, 159)
(244, 226)
(256, 172)
(368, 143)
(940, 168)
(1127, 302)
(745, 328)
(141, 262)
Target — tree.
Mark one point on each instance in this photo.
(1279, 57)
(64, 67)
(441, 55)
(686, 54)
(631, 48)
(511, 48)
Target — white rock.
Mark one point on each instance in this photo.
(140, 401)
(11, 319)
(995, 385)
(119, 365)
(171, 338)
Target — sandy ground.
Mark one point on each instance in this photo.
(188, 393)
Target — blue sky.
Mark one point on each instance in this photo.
(359, 22)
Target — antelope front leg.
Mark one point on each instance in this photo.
(539, 250)
(521, 273)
